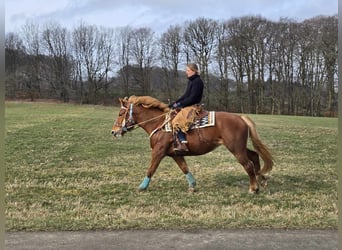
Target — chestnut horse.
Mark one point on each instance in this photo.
(231, 130)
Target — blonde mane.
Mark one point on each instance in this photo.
(148, 102)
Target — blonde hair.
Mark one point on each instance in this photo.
(193, 67)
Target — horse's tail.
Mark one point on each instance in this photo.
(259, 146)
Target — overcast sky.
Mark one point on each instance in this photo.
(156, 14)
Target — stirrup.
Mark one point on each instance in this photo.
(181, 147)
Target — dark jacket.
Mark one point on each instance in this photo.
(193, 93)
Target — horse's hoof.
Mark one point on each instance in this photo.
(142, 189)
(256, 191)
(262, 181)
(192, 190)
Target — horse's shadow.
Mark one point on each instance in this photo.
(278, 183)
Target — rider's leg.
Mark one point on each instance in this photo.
(181, 136)
(181, 142)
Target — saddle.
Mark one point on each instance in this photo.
(189, 118)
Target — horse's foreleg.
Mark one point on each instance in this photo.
(184, 167)
(157, 156)
(144, 185)
(150, 172)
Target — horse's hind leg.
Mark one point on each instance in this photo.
(250, 169)
(253, 156)
(184, 167)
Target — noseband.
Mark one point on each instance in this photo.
(130, 118)
(124, 125)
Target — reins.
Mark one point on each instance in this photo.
(137, 125)
(162, 125)
(149, 120)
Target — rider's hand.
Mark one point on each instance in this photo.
(174, 105)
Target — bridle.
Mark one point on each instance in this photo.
(124, 124)
(128, 124)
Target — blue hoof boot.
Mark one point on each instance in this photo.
(191, 180)
(143, 186)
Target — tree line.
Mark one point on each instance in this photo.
(248, 64)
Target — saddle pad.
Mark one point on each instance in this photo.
(206, 121)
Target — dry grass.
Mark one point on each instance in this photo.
(65, 172)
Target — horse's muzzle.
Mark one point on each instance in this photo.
(116, 133)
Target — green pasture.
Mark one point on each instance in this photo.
(64, 171)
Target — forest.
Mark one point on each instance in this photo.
(248, 64)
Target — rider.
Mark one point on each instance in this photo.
(192, 95)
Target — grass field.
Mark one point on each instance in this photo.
(64, 171)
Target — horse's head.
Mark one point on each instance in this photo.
(139, 111)
(124, 122)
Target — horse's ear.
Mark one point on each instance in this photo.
(123, 100)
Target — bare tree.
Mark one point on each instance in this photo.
(143, 51)
(329, 47)
(199, 36)
(55, 39)
(312, 69)
(13, 45)
(31, 42)
(14, 58)
(222, 57)
(78, 73)
(261, 31)
(252, 38)
(236, 51)
(107, 56)
(94, 49)
(123, 53)
(270, 58)
(170, 48)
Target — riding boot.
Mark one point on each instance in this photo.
(181, 142)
